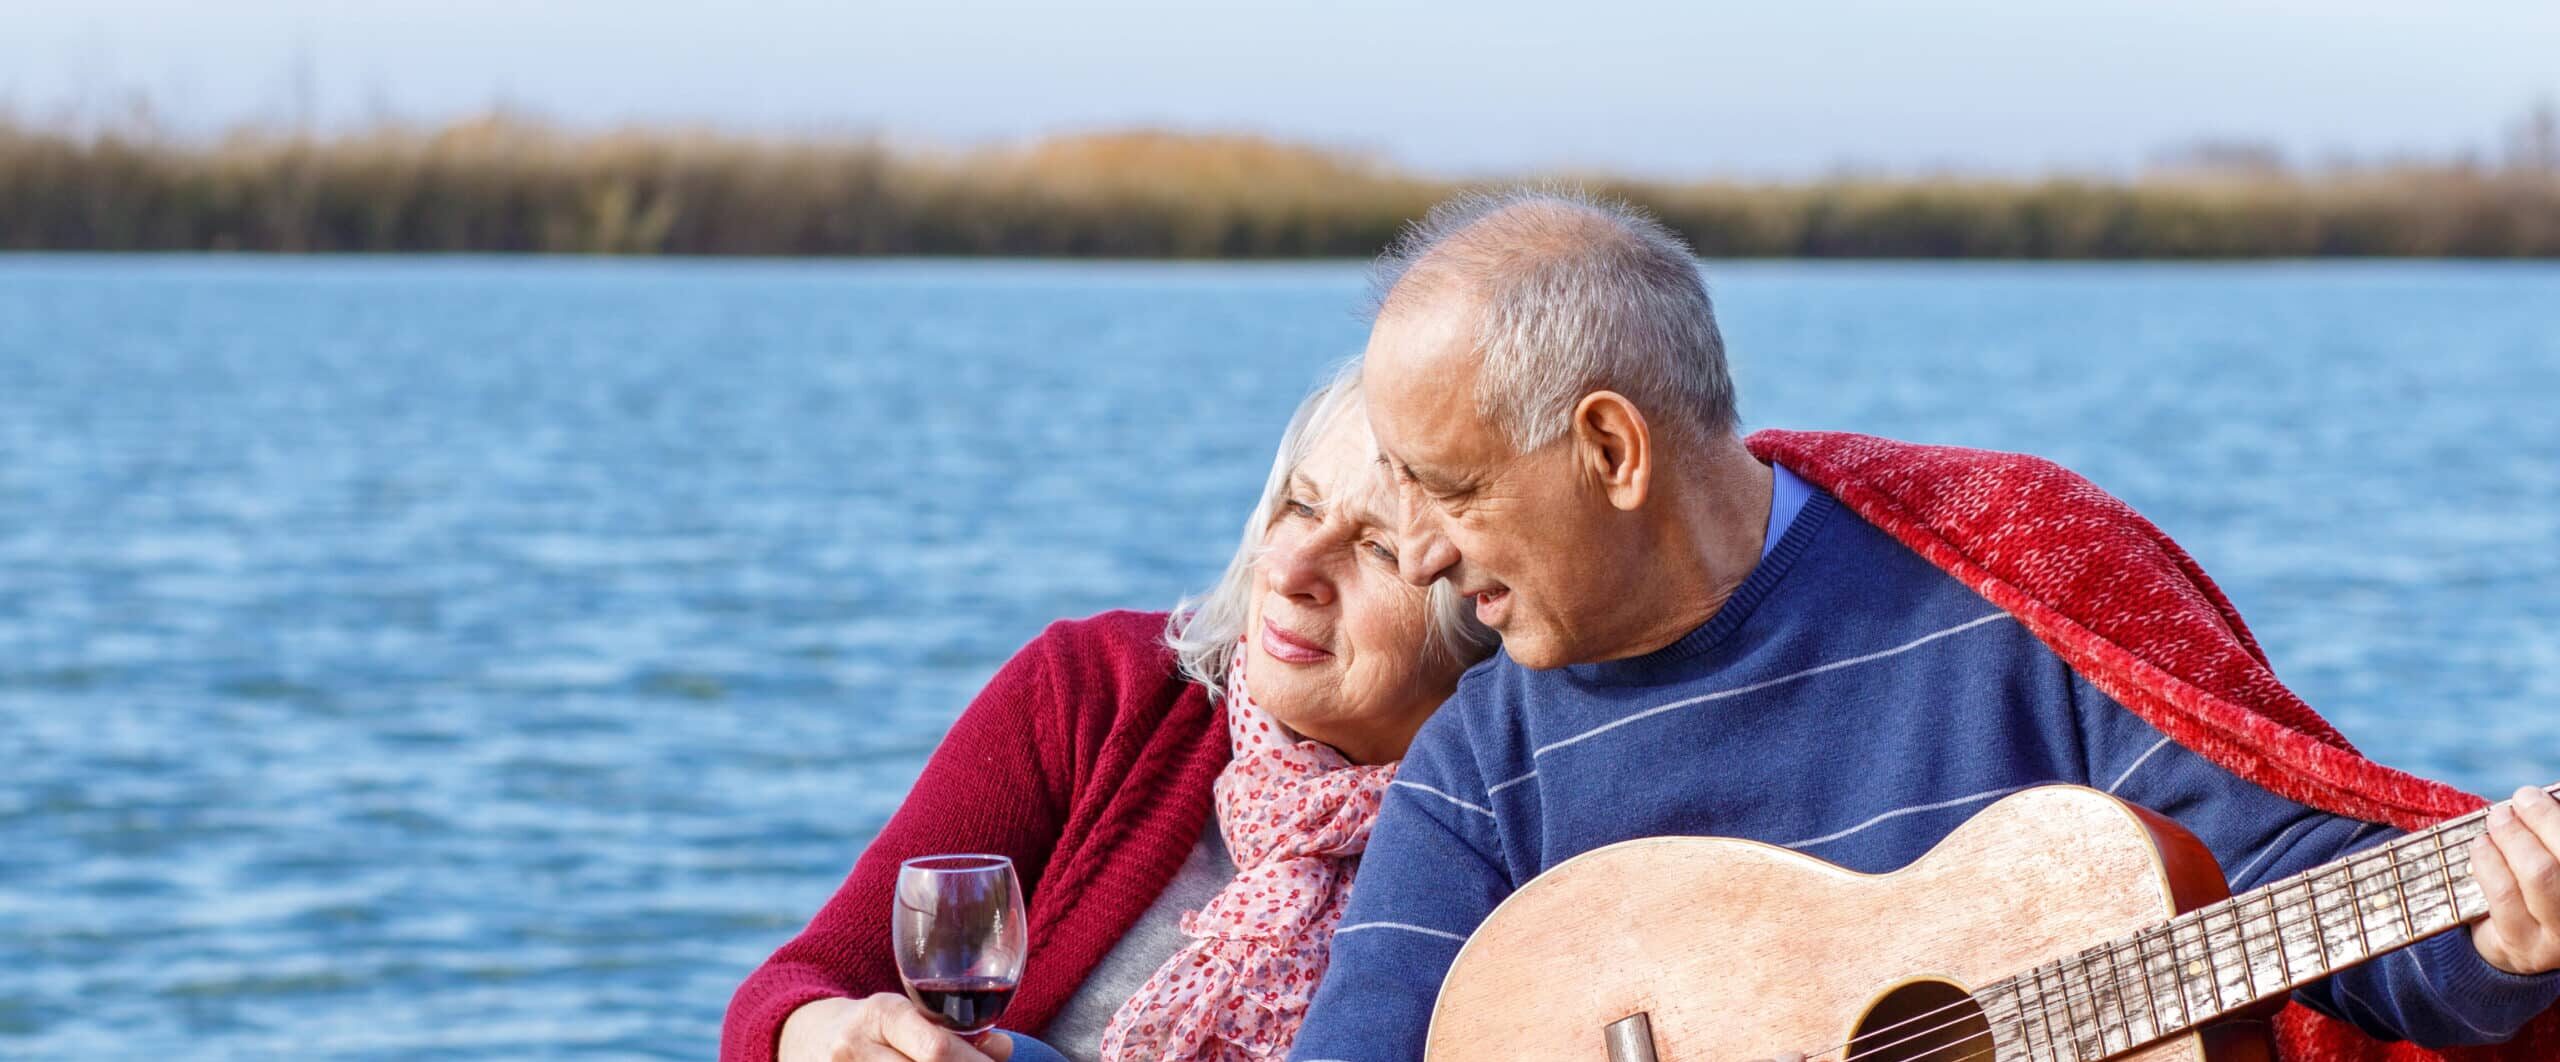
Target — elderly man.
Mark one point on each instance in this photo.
(1697, 642)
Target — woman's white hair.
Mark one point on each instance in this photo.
(1206, 629)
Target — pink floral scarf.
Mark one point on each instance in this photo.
(1294, 814)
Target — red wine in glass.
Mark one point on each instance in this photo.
(957, 926)
(965, 1004)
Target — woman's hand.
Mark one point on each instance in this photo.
(880, 1028)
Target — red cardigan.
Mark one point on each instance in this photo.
(1088, 760)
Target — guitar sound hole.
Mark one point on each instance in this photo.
(1925, 1021)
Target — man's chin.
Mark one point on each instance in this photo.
(1532, 649)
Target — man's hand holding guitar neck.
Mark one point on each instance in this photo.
(2518, 866)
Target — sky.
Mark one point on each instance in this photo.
(1768, 89)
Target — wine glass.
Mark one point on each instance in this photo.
(957, 927)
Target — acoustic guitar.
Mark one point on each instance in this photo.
(2059, 925)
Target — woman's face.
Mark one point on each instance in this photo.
(1337, 647)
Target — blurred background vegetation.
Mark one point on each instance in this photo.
(508, 183)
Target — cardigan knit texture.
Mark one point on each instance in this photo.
(1088, 760)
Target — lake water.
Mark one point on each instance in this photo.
(486, 658)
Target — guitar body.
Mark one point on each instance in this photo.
(1736, 950)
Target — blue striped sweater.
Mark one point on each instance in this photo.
(1850, 701)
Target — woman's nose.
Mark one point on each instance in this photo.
(1295, 570)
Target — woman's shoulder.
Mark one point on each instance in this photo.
(1125, 632)
(1116, 658)
(1123, 642)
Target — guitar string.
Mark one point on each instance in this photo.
(2315, 891)
(2435, 837)
(2115, 983)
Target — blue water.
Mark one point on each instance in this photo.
(497, 658)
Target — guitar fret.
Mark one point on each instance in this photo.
(2151, 983)
(2196, 970)
(2355, 904)
(2289, 940)
(2044, 1014)
(2168, 959)
(2338, 938)
(2125, 1012)
(2085, 1038)
(2107, 1020)
(2425, 884)
(2062, 1042)
(2074, 998)
(2468, 901)
(2019, 1019)
(2319, 929)
(2022, 1019)
(2214, 998)
(2383, 905)
(2150, 998)
(2444, 863)
(2004, 1007)
(2400, 892)
(2176, 970)
(2246, 987)
(2275, 940)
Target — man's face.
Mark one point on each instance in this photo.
(1530, 537)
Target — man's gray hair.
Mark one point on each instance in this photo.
(1575, 294)
(1207, 629)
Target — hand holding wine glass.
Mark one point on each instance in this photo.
(882, 1027)
(957, 927)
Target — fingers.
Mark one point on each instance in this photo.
(2517, 865)
(2508, 920)
(997, 1046)
(2528, 838)
(885, 1027)
(916, 1037)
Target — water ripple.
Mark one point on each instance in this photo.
(496, 659)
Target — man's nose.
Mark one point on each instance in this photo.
(1423, 552)
(1426, 559)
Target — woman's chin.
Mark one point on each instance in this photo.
(1279, 686)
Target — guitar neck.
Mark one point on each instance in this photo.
(2228, 956)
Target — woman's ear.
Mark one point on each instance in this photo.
(1614, 446)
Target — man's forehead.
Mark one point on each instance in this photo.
(1435, 338)
(1411, 405)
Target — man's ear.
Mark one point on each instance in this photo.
(1614, 446)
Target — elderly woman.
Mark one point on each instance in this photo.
(1185, 796)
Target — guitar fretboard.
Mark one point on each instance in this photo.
(2224, 957)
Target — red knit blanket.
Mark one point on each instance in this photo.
(2133, 614)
